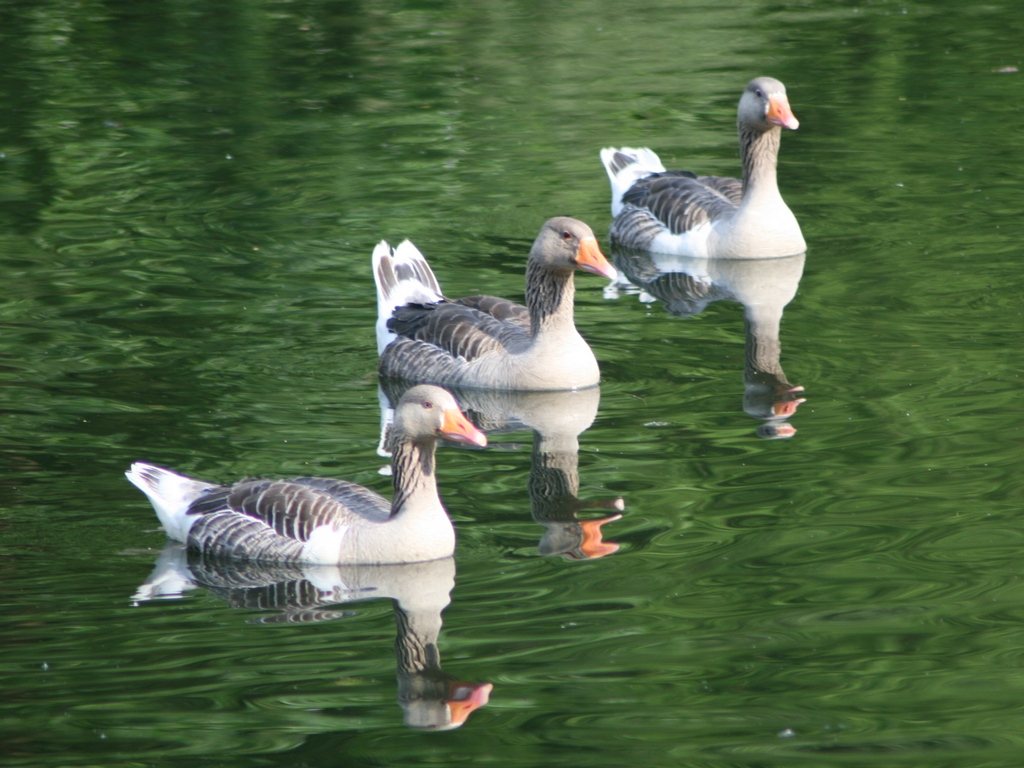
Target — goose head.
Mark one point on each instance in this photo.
(764, 105)
(565, 244)
(429, 412)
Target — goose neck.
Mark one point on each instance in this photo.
(549, 297)
(412, 468)
(759, 151)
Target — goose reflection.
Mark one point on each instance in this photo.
(763, 286)
(556, 419)
(429, 697)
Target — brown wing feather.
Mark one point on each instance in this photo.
(419, 361)
(499, 309)
(294, 508)
(461, 330)
(731, 189)
(681, 201)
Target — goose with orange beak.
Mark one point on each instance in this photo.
(485, 342)
(681, 213)
(322, 521)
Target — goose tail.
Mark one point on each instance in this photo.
(403, 277)
(626, 166)
(170, 494)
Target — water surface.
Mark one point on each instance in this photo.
(189, 196)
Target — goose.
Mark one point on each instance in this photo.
(485, 342)
(678, 212)
(311, 520)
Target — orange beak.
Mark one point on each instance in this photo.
(465, 698)
(590, 258)
(460, 429)
(592, 546)
(779, 113)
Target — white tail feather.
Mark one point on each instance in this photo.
(403, 277)
(170, 494)
(623, 176)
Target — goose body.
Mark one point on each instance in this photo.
(486, 342)
(310, 520)
(678, 212)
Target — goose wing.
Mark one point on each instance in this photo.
(729, 188)
(682, 201)
(464, 329)
(500, 309)
(294, 508)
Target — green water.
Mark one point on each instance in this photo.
(189, 195)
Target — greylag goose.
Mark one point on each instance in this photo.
(483, 341)
(320, 520)
(678, 212)
(430, 697)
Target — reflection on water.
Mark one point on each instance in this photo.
(189, 193)
(430, 698)
(764, 287)
(556, 419)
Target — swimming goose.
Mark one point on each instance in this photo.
(320, 520)
(483, 341)
(678, 212)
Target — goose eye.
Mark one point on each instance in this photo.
(427, 405)
(567, 235)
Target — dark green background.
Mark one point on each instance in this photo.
(189, 195)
